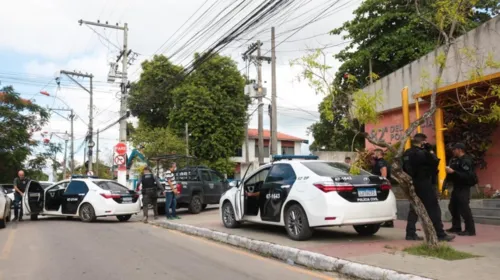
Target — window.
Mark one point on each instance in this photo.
(288, 151)
(215, 177)
(8, 188)
(205, 176)
(110, 186)
(2, 190)
(238, 152)
(76, 187)
(330, 169)
(266, 151)
(60, 186)
(281, 173)
(259, 177)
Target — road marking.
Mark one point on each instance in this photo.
(254, 256)
(8, 245)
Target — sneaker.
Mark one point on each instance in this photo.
(447, 238)
(170, 218)
(453, 230)
(414, 238)
(145, 220)
(177, 218)
(466, 233)
(15, 219)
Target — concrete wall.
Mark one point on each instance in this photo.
(335, 156)
(482, 41)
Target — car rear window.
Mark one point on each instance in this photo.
(8, 188)
(330, 169)
(110, 186)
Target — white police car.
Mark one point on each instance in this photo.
(301, 193)
(81, 196)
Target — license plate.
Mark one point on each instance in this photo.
(367, 192)
(127, 199)
(161, 199)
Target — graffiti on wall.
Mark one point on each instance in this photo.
(395, 132)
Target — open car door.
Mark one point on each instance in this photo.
(239, 199)
(33, 198)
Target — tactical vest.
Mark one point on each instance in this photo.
(148, 182)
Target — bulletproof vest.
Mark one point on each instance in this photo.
(148, 182)
(22, 183)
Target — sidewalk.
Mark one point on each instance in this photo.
(382, 250)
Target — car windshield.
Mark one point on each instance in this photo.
(330, 169)
(110, 186)
(46, 185)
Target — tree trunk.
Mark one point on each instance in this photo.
(406, 184)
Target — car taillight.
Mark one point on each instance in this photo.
(179, 188)
(385, 187)
(107, 195)
(334, 187)
(136, 195)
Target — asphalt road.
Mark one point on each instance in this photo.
(57, 249)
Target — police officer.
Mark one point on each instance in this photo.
(461, 174)
(149, 188)
(421, 164)
(20, 183)
(382, 168)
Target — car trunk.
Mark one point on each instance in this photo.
(118, 193)
(361, 188)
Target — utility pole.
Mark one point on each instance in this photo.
(274, 115)
(187, 139)
(72, 137)
(65, 156)
(70, 75)
(97, 155)
(125, 52)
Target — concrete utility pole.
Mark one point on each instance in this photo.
(97, 155)
(91, 143)
(274, 115)
(125, 52)
(72, 137)
(65, 156)
(187, 139)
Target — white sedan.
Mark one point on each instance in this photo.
(301, 193)
(83, 197)
(5, 204)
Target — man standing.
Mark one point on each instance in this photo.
(381, 168)
(170, 190)
(149, 188)
(461, 174)
(20, 183)
(421, 165)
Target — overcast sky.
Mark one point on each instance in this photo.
(40, 38)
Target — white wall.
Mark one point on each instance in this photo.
(335, 156)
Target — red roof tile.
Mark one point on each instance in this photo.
(253, 133)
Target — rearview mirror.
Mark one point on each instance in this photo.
(233, 184)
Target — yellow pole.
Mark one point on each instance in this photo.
(440, 149)
(406, 113)
(417, 111)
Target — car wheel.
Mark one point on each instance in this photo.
(195, 205)
(367, 230)
(123, 218)
(296, 223)
(228, 217)
(34, 217)
(2, 223)
(204, 206)
(87, 213)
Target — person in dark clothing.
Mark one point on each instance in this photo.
(461, 174)
(20, 183)
(382, 168)
(421, 164)
(149, 188)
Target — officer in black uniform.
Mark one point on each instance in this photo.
(20, 183)
(421, 164)
(382, 168)
(461, 174)
(149, 188)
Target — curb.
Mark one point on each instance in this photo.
(293, 255)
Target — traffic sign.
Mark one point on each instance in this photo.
(119, 160)
(90, 173)
(91, 144)
(121, 148)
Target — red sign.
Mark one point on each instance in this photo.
(121, 148)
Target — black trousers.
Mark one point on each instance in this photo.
(428, 196)
(149, 198)
(459, 207)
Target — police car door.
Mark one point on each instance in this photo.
(275, 191)
(73, 196)
(33, 198)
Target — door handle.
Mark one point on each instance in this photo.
(285, 186)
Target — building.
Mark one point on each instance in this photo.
(455, 82)
(287, 145)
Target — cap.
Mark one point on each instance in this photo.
(420, 135)
(460, 146)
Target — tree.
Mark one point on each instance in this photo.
(158, 141)
(20, 118)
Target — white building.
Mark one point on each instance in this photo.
(287, 145)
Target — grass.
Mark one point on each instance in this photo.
(444, 252)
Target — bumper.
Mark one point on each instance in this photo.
(341, 212)
(119, 209)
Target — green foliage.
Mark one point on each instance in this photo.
(158, 141)
(20, 118)
(443, 251)
(365, 106)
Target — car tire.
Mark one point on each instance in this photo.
(204, 206)
(87, 213)
(195, 206)
(367, 230)
(3, 223)
(123, 218)
(34, 217)
(297, 224)
(228, 217)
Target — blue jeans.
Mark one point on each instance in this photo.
(170, 203)
(18, 207)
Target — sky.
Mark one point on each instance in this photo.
(40, 38)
